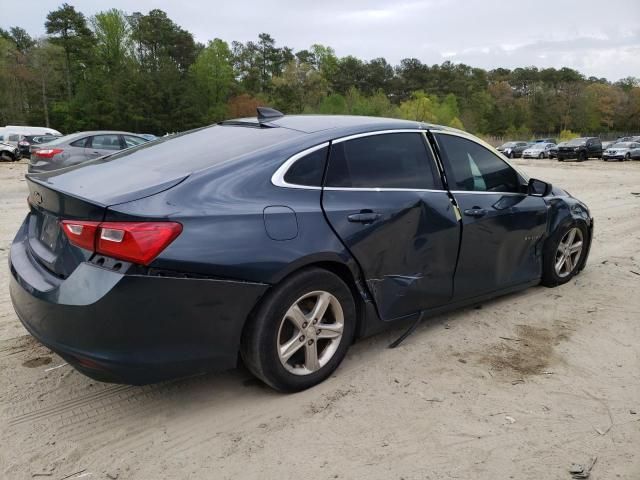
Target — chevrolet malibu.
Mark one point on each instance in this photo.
(278, 240)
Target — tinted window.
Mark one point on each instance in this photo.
(13, 138)
(470, 166)
(80, 143)
(308, 170)
(397, 160)
(131, 141)
(106, 142)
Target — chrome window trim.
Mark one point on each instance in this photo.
(278, 177)
(484, 192)
(378, 132)
(380, 189)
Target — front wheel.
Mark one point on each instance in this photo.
(564, 254)
(627, 156)
(582, 156)
(301, 331)
(541, 156)
(7, 157)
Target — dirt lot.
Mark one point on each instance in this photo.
(520, 388)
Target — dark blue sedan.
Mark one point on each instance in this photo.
(279, 240)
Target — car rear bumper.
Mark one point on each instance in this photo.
(133, 329)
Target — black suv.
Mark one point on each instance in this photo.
(580, 149)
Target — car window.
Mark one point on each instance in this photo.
(13, 138)
(131, 141)
(106, 142)
(80, 143)
(395, 160)
(308, 170)
(472, 167)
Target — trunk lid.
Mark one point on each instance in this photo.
(51, 202)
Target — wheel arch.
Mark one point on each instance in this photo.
(347, 271)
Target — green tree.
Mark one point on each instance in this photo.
(213, 79)
(68, 29)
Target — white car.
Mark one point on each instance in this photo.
(538, 150)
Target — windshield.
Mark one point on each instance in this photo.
(577, 142)
(508, 145)
(621, 145)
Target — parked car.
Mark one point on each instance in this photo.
(610, 143)
(78, 148)
(580, 149)
(553, 151)
(635, 154)
(538, 150)
(283, 244)
(9, 153)
(513, 149)
(29, 141)
(14, 134)
(545, 140)
(148, 136)
(620, 151)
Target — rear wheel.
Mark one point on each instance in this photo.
(301, 332)
(564, 254)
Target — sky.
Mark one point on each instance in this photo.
(597, 38)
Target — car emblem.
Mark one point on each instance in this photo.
(37, 197)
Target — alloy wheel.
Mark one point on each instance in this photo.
(569, 252)
(310, 332)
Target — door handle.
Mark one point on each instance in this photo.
(363, 217)
(475, 212)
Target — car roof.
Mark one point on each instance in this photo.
(319, 123)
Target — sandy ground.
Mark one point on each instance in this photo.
(520, 388)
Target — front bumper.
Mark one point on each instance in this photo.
(133, 329)
(612, 157)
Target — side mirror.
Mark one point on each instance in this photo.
(538, 188)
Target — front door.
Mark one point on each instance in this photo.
(384, 199)
(502, 227)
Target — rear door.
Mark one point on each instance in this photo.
(384, 198)
(100, 145)
(502, 227)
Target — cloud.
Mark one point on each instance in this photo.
(599, 40)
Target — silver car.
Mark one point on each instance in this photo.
(80, 147)
(620, 151)
(538, 150)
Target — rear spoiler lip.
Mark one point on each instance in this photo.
(116, 200)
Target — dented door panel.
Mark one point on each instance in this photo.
(408, 253)
(501, 248)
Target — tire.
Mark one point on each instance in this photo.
(551, 276)
(511, 155)
(627, 157)
(272, 327)
(541, 156)
(7, 157)
(582, 156)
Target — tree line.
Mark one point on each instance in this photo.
(144, 73)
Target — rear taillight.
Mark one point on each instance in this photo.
(81, 234)
(137, 242)
(48, 152)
